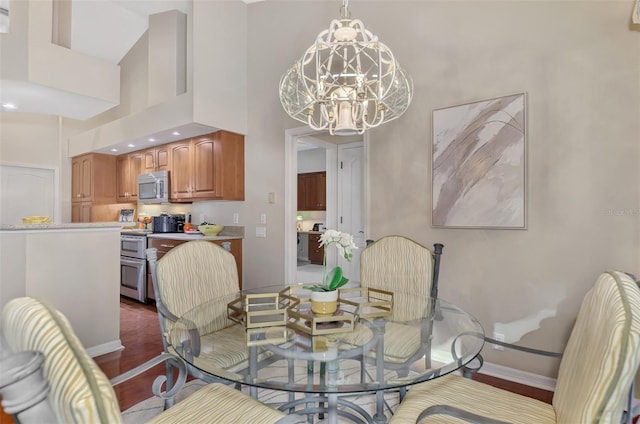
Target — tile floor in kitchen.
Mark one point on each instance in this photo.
(308, 273)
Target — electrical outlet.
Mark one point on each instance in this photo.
(236, 217)
(499, 337)
(263, 218)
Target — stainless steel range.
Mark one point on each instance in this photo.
(133, 265)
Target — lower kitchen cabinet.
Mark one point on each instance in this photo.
(81, 212)
(316, 252)
(164, 245)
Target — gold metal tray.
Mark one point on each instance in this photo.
(261, 309)
(302, 319)
(367, 302)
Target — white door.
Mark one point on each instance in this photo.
(351, 204)
(25, 192)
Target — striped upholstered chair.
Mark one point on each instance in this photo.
(48, 377)
(410, 270)
(190, 275)
(595, 378)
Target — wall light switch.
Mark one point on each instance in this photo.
(272, 197)
(261, 232)
(263, 218)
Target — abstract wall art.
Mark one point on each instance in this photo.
(479, 164)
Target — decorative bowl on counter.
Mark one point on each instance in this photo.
(210, 229)
(36, 220)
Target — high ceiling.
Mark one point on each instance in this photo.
(109, 28)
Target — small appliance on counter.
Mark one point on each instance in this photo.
(166, 223)
(319, 227)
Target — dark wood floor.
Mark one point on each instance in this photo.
(140, 335)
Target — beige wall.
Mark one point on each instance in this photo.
(85, 287)
(577, 61)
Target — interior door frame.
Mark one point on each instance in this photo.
(291, 192)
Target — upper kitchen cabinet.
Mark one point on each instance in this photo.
(128, 167)
(93, 182)
(156, 159)
(93, 178)
(208, 167)
(312, 191)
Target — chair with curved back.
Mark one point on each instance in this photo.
(411, 271)
(48, 377)
(187, 276)
(595, 378)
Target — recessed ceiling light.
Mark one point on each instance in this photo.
(9, 106)
(152, 139)
(131, 145)
(175, 133)
(114, 150)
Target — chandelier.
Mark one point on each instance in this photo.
(347, 82)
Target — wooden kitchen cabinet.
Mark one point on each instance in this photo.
(165, 245)
(316, 252)
(81, 212)
(93, 182)
(180, 175)
(312, 191)
(208, 167)
(156, 159)
(93, 178)
(128, 167)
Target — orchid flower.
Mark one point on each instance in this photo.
(334, 279)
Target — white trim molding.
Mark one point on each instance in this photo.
(518, 376)
(104, 348)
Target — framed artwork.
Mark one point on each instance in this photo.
(479, 164)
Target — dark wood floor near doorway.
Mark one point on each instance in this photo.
(140, 335)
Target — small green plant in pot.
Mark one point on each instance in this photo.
(324, 296)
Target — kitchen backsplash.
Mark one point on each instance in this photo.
(312, 217)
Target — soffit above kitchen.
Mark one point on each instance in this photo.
(85, 31)
(184, 100)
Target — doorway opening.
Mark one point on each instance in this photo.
(344, 206)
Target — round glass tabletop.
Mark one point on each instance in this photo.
(269, 338)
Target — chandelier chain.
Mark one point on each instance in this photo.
(344, 10)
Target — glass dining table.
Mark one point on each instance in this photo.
(375, 343)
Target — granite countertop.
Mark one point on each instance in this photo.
(227, 233)
(183, 236)
(67, 226)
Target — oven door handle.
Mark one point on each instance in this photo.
(131, 261)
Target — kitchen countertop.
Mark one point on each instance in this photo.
(67, 226)
(183, 236)
(228, 233)
(310, 232)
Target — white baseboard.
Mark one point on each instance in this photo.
(112, 346)
(518, 376)
(529, 379)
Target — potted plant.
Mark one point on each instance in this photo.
(324, 296)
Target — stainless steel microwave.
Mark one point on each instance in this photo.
(153, 187)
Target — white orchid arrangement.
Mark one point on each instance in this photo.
(334, 279)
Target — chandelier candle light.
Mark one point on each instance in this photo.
(347, 82)
(324, 296)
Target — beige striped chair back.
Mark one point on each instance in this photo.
(80, 392)
(602, 355)
(401, 265)
(194, 273)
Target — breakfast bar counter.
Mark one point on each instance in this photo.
(73, 267)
